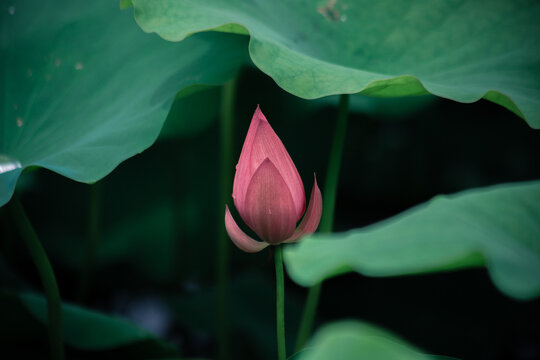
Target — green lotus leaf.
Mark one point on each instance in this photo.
(351, 340)
(84, 88)
(496, 227)
(460, 50)
(24, 316)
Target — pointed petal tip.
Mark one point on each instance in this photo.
(259, 114)
(311, 219)
(240, 238)
(266, 161)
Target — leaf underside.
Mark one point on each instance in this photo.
(496, 227)
(351, 340)
(460, 50)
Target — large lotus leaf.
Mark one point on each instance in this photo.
(24, 315)
(353, 340)
(498, 227)
(460, 50)
(83, 88)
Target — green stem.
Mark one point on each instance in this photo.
(327, 221)
(91, 241)
(308, 316)
(46, 274)
(226, 175)
(280, 303)
(334, 165)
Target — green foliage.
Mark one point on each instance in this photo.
(351, 340)
(88, 89)
(85, 329)
(85, 332)
(84, 89)
(497, 227)
(460, 50)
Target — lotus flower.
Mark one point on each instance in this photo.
(268, 192)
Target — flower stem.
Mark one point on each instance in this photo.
(91, 241)
(46, 274)
(226, 166)
(327, 221)
(280, 303)
(334, 165)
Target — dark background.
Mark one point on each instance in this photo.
(160, 215)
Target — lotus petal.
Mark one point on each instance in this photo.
(311, 220)
(269, 206)
(262, 143)
(240, 238)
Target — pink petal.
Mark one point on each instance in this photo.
(239, 238)
(262, 143)
(269, 206)
(313, 215)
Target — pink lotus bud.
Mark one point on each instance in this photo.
(268, 192)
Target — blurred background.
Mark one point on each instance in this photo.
(158, 216)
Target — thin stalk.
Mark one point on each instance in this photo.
(280, 304)
(46, 274)
(327, 221)
(91, 241)
(334, 165)
(226, 175)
